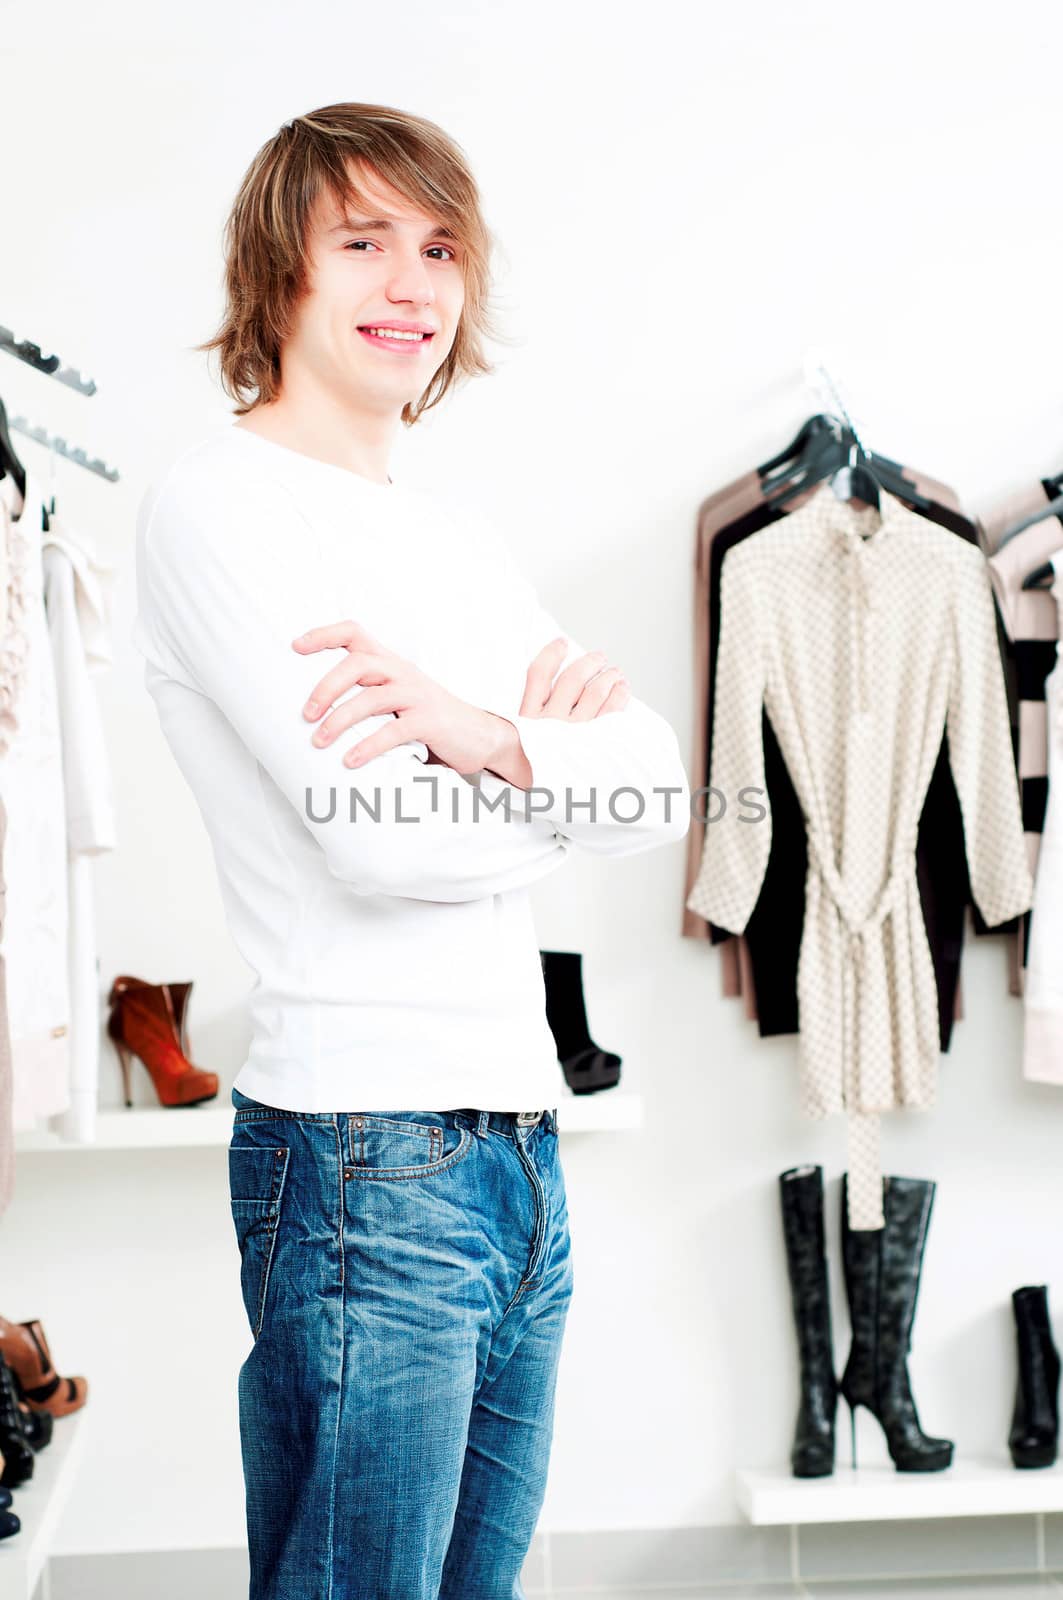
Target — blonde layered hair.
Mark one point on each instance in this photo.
(266, 237)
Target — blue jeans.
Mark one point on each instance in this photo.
(406, 1276)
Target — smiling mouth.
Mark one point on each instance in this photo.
(394, 338)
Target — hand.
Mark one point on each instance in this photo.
(460, 735)
(586, 689)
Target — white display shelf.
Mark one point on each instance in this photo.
(160, 1128)
(39, 1504)
(977, 1487)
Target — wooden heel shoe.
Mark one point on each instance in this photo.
(24, 1348)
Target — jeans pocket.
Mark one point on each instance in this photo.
(257, 1175)
(398, 1147)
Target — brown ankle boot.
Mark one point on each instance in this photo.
(148, 1020)
(25, 1349)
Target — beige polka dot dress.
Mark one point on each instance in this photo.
(864, 634)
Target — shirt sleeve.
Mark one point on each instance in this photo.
(980, 752)
(738, 829)
(229, 573)
(614, 785)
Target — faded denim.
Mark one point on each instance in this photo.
(406, 1277)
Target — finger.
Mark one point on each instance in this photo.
(595, 693)
(618, 698)
(543, 668)
(565, 694)
(540, 675)
(335, 635)
(359, 666)
(370, 703)
(383, 739)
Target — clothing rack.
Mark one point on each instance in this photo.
(25, 350)
(61, 447)
(29, 352)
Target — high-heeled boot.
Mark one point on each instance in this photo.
(586, 1066)
(149, 1020)
(801, 1196)
(882, 1270)
(1034, 1436)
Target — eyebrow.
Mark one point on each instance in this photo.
(385, 225)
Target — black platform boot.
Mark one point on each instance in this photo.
(882, 1270)
(19, 1459)
(1034, 1435)
(801, 1196)
(36, 1425)
(586, 1067)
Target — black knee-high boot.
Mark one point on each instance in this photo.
(585, 1065)
(882, 1270)
(801, 1196)
(1034, 1435)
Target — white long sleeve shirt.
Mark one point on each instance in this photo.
(384, 909)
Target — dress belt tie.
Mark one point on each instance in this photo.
(865, 1173)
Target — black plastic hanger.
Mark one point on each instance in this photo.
(1044, 576)
(1051, 508)
(855, 480)
(1040, 577)
(818, 434)
(816, 446)
(826, 454)
(809, 433)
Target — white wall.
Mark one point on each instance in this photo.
(688, 197)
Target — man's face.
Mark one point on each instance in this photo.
(391, 264)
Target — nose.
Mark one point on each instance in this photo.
(411, 281)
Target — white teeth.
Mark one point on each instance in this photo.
(393, 333)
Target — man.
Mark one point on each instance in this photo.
(406, 1271)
